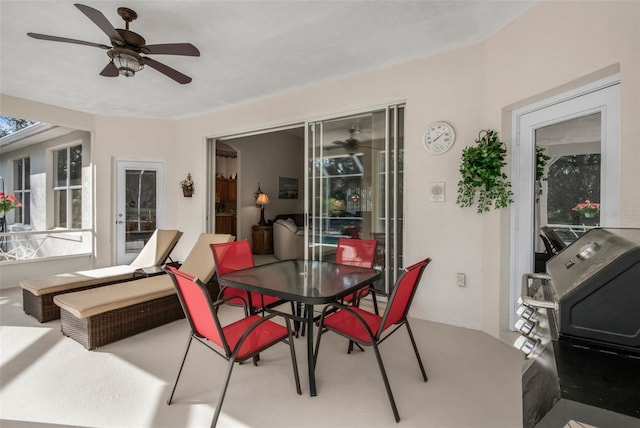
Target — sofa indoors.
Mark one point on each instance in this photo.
(288, 236)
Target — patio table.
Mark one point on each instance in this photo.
(307, 282)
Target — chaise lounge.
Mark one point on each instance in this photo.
(99, 316)
(38, 293)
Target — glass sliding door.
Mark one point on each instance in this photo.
(354, 186)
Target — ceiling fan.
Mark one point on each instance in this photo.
(351, 144)
(127, 48)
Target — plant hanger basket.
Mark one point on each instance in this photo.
(481, 171)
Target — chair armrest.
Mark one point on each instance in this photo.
(351, 312)
(216, 305)
(252, 327)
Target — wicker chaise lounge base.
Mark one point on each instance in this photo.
(42, 308)
(110, 326)
(38, 293)
(103, 315)
(101, 329)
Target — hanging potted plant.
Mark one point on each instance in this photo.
(187, 187)
(541, 162)
(7, 203)
(482, 175)
(587, 208)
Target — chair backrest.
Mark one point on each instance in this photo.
(402, 295)
(547, 245)
(555, 240)
(157, 249)
(353, 232)
(356, 252)
(230, 256)
(200, 262)
(196, 303)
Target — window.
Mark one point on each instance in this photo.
(22, 189)
(572, 181)
(67, 187)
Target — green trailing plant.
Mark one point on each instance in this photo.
(541, 162)
(482, 175)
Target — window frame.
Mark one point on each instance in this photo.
(69, 188)
(22, 192)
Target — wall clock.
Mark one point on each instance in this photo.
(438, 137)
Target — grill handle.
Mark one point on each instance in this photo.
(524, 291)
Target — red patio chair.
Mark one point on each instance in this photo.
(358, 252)
(237, 341)
(236, 255)
(368, 329)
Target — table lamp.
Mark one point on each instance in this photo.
(262, 200)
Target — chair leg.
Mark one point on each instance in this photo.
(216, 415)
(375, 301)
(294, 313)
(294, 360)
(350, 347)
(304, 324)
(386, 382)
(415, 349)
(317, 348)
(184, 358)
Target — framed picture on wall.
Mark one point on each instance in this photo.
(287, 188)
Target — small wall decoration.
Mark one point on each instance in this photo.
(287, 188)
(187, 186)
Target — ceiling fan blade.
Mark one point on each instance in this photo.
(110, 70)
(103, 23)
(186, 49)
(66, 40)
(167, 71)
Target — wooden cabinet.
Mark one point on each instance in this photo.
(226, 223)
(227, 189)
(222, 189)
(262, 239)
(233, 190)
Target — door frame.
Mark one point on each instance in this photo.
(120, 167)
(600, 96)
(394, 251)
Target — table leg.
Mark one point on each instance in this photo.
(312, 375)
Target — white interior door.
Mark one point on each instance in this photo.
(139, 206)
(601, 98)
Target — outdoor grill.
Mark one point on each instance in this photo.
(580, 325)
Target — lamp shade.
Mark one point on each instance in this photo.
(263, 199)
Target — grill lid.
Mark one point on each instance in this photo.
(589, 255)
(596, 281)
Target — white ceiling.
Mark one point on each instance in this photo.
(249, 49)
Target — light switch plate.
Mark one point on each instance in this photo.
(436, 192)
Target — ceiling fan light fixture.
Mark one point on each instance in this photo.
(127, 61)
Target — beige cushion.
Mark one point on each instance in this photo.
(86, 303)
(289, 224)
(157, 248)
(199, 263)
(154, 253)
(73, 280)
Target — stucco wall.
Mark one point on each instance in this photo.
(550, 48)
